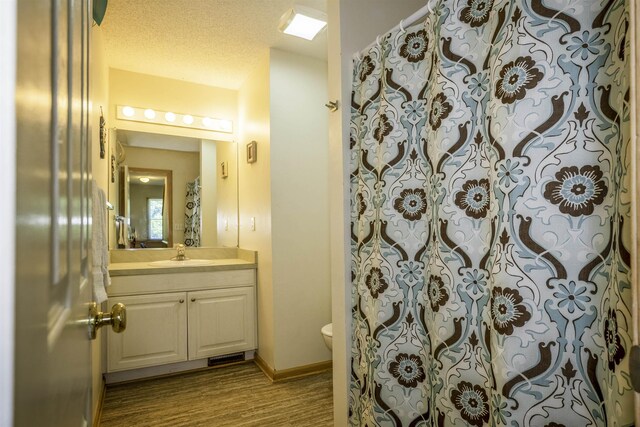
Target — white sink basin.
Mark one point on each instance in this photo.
(185, 263)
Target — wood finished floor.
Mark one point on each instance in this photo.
(238, 395)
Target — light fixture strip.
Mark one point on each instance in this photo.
(169, 118)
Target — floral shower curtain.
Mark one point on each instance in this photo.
(192, 214)
(490, 218)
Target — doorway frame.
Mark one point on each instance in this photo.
(167, 174)
(8, 45)
(634, 13)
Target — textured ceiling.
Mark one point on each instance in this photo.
(212, 42)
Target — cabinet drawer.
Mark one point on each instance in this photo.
(156, 283)
(221, 321)
(156, 332)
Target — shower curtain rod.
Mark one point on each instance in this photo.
(419, 14)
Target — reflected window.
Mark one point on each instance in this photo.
(154, 218)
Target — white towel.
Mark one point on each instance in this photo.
(99, 244)
(122, 232)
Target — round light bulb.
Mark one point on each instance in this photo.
(170, 117)
(188, 119)
(128, 111)
(207, 122)
(149, 114)
(226, 126)
(144, 179)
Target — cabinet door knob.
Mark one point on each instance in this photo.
(181, 300)
(193, 300)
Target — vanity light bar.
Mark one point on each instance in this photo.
(168, 118)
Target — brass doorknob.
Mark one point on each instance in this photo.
(117, 318)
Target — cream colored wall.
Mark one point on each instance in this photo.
(281, 106)
(185, 167)
(208, 194)
(255, 195)
(227, 194)
(143, 90)
(299, 208)
(353, 24)
(99, 100)
(99, 97)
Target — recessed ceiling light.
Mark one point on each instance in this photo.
(303, 22)
(144, 179)
(170, 117)
(149, 114)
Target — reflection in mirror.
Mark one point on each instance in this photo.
(175, 190)
(149, 206)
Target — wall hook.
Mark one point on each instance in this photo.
(332, 106)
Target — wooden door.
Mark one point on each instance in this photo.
(221, 321)
(52, 348)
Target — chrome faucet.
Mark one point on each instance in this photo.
(181, 256)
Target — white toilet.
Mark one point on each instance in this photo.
(327, 334)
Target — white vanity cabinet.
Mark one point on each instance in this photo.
(182, 317)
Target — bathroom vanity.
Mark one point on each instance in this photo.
(182, 314)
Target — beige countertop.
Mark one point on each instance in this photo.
(140, 268)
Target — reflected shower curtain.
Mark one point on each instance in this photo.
(192, 214)
(490, 218)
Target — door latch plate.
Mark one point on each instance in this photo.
(634, 366)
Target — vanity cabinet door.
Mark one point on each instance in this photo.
(156, 332)
(221, 321)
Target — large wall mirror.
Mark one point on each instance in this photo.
(174, 189)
